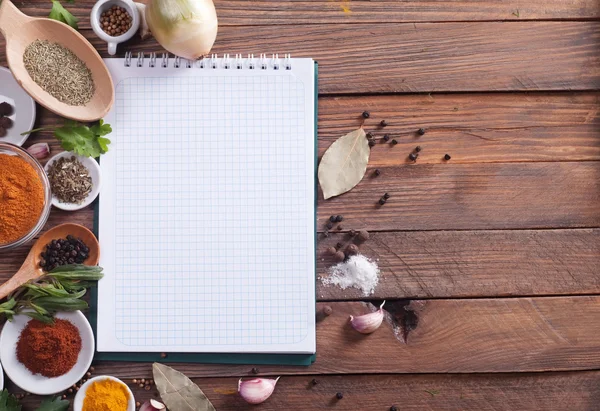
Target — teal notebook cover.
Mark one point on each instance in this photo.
(210, 358)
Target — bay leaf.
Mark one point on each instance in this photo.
(344, 163)
(178, 392)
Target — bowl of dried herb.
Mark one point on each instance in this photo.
(74, 180)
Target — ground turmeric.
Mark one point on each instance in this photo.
(106, 395)
(21, 198)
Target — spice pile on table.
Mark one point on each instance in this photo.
(49, 349)
(21, 198)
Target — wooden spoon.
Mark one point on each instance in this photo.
(20, 31)
(31, 267)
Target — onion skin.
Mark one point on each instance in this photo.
(186, 28)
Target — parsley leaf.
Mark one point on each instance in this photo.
(54, 404)
(83, 140)
(63, 15)
(9, 402)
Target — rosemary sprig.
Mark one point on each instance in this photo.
(62, 289)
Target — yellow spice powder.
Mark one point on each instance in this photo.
(106, 395)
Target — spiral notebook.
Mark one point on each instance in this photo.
(206, 216)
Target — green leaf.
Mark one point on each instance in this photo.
(61, 304)
(9, 402)
(8, 305)
(61, 14)
(178, 392)
(83, 140)
(46, 319)
(54, 404)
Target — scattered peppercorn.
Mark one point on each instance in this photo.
(331, 250)
(369, 135)
(339, 218)
(338, 246)
(352, 232)
(383, 123)
(363, 235)
(163, 355)
(134, 381)
(352, 249)
(382, 201)
(314, 381)
(254, 370)
(366, 114)
(377, 172)
(386, 196)
(447, 157)
(394, 141)
(115, 21)
(386, 137)
(64, 397)
(92, 369)
(372, 143)
(329, 226)
(418, 149)
(421, 131)
(327, 310)
(147, 388)
(340, 256)
(137, 404)
(413, 156)
(141, 385)
(340, 227)
(339, 395)
(393, 408)
(332, 219)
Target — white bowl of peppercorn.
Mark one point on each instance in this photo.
(115, 21)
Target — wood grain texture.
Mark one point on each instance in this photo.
(266, 12)
(451, 336)
(429, 57)
(473, 196)
(486, 392)
(475, 128)
(446, 264)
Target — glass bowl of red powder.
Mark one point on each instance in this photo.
(25, 196)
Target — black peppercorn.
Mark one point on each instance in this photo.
(339, 395)
(394, 141)
(327, 310)
(369, 135)
(418, 149)
(366, 114)
(382, 201)
(377, 172)
(352, 249)
(412, 156)
(421, 131)
(332, 218)
(339, 218)
(338, 246)
(371, 143)
(393, 408)
(386, 196)
(447, 157)
(352, 232)
(329, 226)
(314, 381)
(383, 123)
(255, 370)
(386, 137)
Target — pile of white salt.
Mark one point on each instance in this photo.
(358, 272)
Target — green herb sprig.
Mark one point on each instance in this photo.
(8, 402)
(81, 139)
(59, 13)
(62, 289)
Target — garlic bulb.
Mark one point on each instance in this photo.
(256, 390)
(186, 28)
(366, 324)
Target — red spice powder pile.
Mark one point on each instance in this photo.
(49, 349)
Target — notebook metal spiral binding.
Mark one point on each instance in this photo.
(214, 62)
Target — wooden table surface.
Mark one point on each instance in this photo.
(490, 261)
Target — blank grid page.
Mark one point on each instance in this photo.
(207, 211)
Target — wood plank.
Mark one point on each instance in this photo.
(446, 336)
(472, 196)
(429, 57)
(266, 12)
(485, 392)
(475, 128)
(446, 264)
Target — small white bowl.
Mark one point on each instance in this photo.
(103, 5)
(36, 383)
(78, 401)
(1, 378)
(94, 169)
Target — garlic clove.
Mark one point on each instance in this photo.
(39, 150)
(366, 324)
(152, 405)
(144, 30)
(256, 390)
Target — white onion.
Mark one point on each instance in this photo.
(186, 28)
